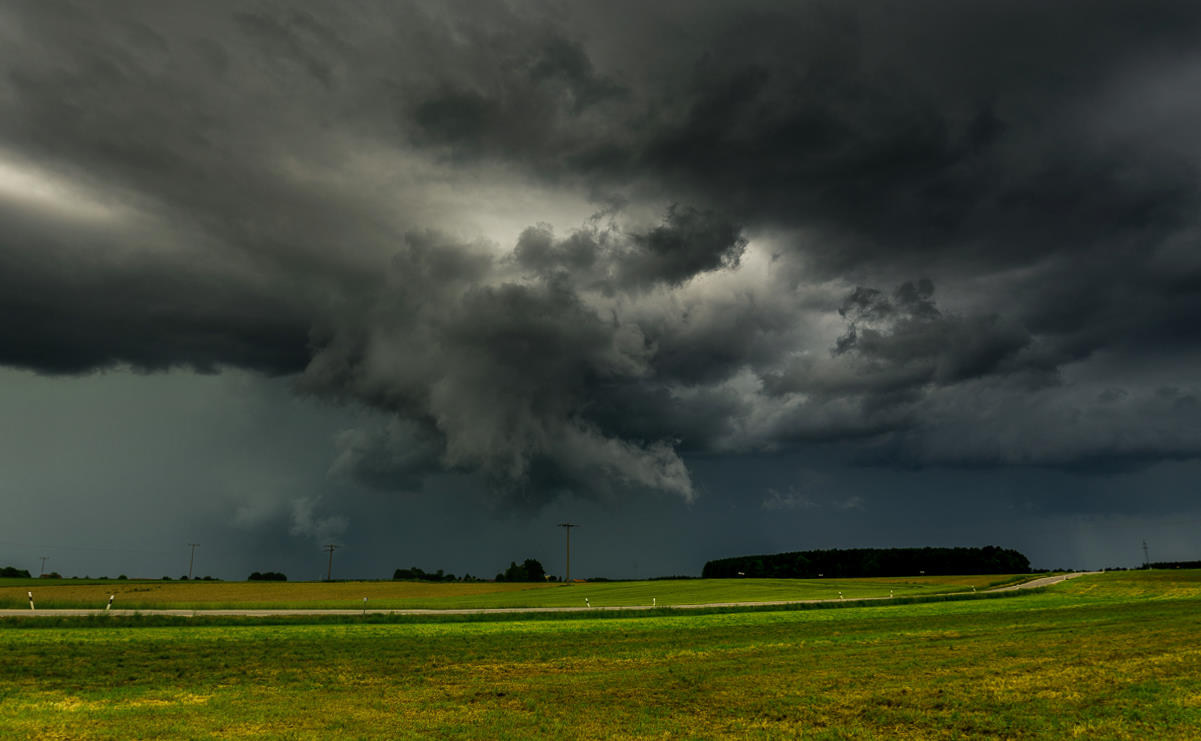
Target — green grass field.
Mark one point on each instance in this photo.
(1107, 656)
(403, 594)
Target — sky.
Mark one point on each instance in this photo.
(424, 280)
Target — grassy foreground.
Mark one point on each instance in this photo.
(1107, 656)
(144, 595)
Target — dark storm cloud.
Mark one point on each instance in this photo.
(504, 373)
(73, 302)
(903, 342)
(392, 202)
(687, 243)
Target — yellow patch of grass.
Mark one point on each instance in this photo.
(132, 594)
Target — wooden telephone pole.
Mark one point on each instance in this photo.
(329, 572)
(568, 526)
(192, 557)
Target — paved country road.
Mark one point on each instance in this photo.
(1045, 581)
(259, 612)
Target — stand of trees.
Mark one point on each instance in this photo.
(859, 562)
(267, 576)
(529, 570)
(1175, 565)
(12, 572)
(417, 574)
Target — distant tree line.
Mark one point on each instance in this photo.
(11, 572)
(416, 574)
(267, 576)
(859, 562)
(1175, 565)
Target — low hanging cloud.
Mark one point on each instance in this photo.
(499, 359)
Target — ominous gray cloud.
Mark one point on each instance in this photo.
(575, 250)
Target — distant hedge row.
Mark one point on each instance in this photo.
(859, 562)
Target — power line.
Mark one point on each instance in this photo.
(192, 558)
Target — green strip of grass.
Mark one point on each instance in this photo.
(137, 620)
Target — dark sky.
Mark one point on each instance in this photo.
(425, 279)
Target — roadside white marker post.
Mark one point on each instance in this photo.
(654, 601)
(587, 603)
(364, 605)
(890, 594)
(840, 595)
(30, 599)
(109, 606)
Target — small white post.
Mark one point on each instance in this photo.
(30, 600)
(890, 594)
(109, 606)
(654, 601)
(840, 595)
(587, 603)
(364, 605)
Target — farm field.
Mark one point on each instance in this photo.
(1106, 656)
(131, 594)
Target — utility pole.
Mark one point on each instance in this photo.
(1146, 558)
(568, 526)
(44, 560)
(329, 572)
(192, 558)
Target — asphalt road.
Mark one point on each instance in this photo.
(1033, 584)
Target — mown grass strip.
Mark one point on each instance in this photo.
(105, 620)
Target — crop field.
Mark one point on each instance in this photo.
(70, 593)
(1107, 656)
